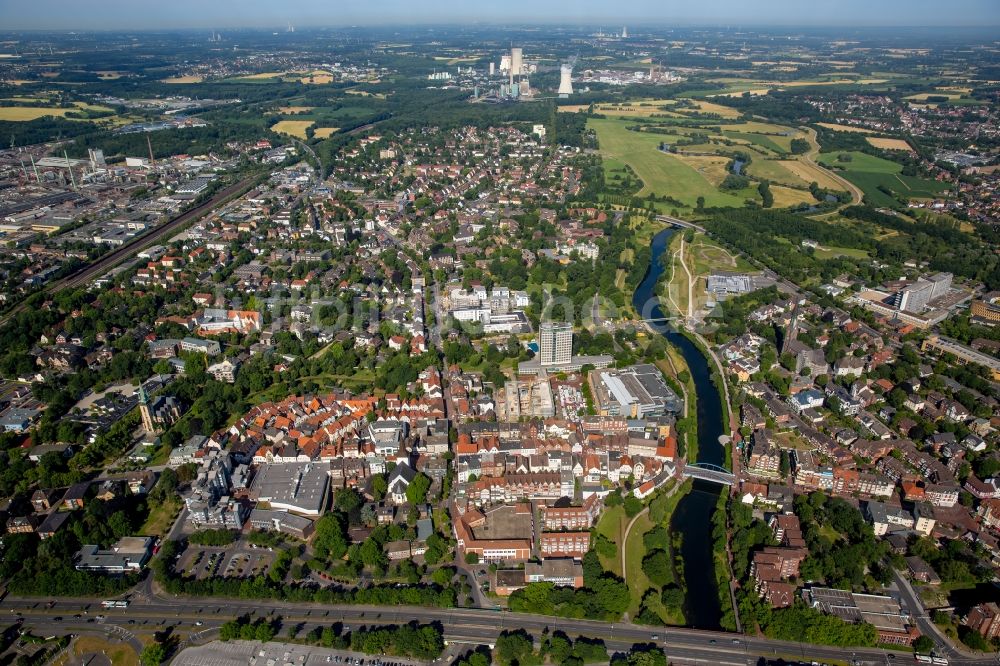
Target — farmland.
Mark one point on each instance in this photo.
(874, 175)
(26, 113)
(661, 173)
(296, 128)
(699, 152)
(889, 144)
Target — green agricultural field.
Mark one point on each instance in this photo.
(859, 162)
(769, 142)
(871, 173)
(661, 173)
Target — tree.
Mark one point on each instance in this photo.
(514, 648)
(657, 567)
(330, 540)
(379, 487)
(416, 492)
(923, 645)
(633, 505)
(347, 500)
(472, 558)
(153, 655)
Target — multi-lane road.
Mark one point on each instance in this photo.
(465, 625)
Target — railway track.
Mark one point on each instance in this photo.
(128, 250)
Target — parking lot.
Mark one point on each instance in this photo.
(236, 561)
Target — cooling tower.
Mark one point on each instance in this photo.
(565, 80)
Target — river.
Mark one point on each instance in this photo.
(693, 516)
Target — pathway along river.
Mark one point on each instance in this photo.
(693, 516)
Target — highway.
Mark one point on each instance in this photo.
(477, 626)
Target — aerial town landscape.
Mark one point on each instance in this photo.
(475, 343)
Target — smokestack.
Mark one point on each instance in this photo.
(70, 169)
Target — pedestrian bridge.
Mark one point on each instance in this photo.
(709, 472)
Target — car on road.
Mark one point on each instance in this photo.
(198, 623)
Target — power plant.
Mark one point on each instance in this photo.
(565, 79)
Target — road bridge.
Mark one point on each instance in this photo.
(709, 472)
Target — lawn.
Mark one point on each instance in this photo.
(612, 525)
(858, 161)
(661, 173)
(831, 252)
(635, 550)
(119, 654)
(161, 518)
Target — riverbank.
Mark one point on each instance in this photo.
(692, 517)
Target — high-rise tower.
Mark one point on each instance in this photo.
(555, 343)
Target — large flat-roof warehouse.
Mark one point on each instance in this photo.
(635, 392)
(298, 487)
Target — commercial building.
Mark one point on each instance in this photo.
(559, 572)
(637, 392)
(128, 555)
(503, 534)
(724, 284)
(298, 487)
(283, 522)
(884, 613)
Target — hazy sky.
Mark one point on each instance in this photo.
(111, 14)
